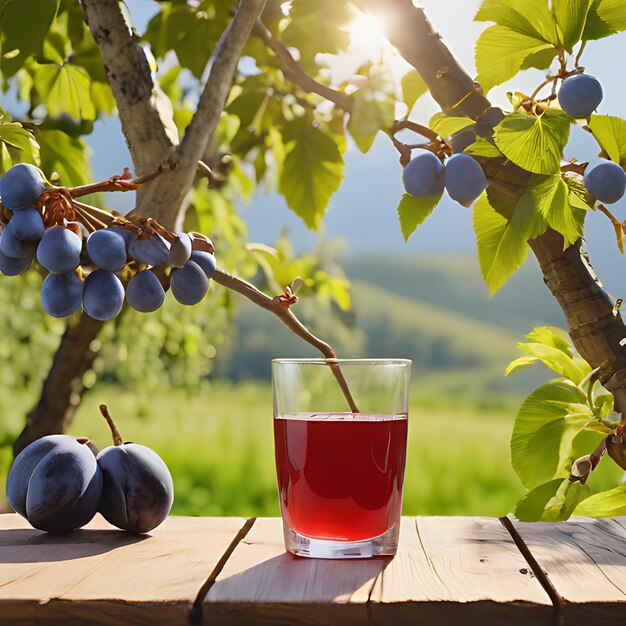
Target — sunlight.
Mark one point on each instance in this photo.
(367, 40)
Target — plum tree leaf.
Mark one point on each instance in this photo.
(65, 89)
(413, 88)
(412, 212)
(502, 244)
(605, 17)
(551, 336)
(482, 147)
(501, 52)
(445, 125)
(552, 501)
(546, 425)
(610, 133)
(529, 17)
(535, 143)
(370, 113)
(312, 169)
(23, 31)
(610, 503)
(19, 145)
(550, 195)
(65, 156)
(570, 16)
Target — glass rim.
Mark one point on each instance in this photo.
(322, 361)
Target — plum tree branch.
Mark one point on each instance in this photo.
(285, 315)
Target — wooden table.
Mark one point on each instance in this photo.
(222, 571)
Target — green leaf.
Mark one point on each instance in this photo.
(605, 17)
(23, 29)
(545, 427)
(530, 17)
(18, 145)
(413, 87)
(445, 125)
(551, 336)
(65, 89)
(501, 52)
(370, 113)
(611, 503)
(65, 156)
(550, 197)
(535, 143)
(502, 245)
(413, 211)
(520, 362)
(570, 16)
(483, 147)
(317, 26)
(557, 361)
(610, 132)
(553, 501)
(312, 170)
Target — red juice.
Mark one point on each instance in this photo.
(340, 475)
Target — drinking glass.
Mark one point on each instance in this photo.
(340, 471)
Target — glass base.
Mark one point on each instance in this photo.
(383, 545)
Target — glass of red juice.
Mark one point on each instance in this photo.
(339, 460)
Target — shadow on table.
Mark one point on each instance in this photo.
(26, 545)
(286, 578)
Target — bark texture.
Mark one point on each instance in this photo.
(595, 330)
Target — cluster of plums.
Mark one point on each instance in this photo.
(59, 249)
(462, 177)
(58, 484)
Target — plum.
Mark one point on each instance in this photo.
(180, 250)
(21, 186)
(423, 174)
(580, 95)
(205, 260)
(55, 483)
(605, 181)
(189, 283)
(138, 491)
(464, 178)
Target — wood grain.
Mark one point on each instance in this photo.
(105, 576)
(447, 569)
(585, 562)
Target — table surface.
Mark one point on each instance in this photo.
(216, 570)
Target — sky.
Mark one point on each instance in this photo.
(363, 211)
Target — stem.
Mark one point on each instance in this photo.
(117, 438)
(284, 314)
(580, 52)
(617, 225)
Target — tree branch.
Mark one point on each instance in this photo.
(286, 316)
(146, 118)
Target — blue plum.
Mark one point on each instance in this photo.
(21, 186)
(14, 267)
(189, 283)
(580, 95)
(27, 225)
(180, 250)
(461, 140)
(62, 294)
(13, 247)
(126, 234)
(103, 295)
(59, 250)
(107, 250)
(205, 260)
(465, 179)
(153, 250)
(424, 174)
(138, 490)
(55, 483)
(144, 292)
(605, 181)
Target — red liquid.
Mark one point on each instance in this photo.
(340, 475)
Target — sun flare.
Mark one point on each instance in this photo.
(367, 39)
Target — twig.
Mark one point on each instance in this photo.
(296, 74)
(284, 314)
(424, 131)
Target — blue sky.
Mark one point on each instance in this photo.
(363, 211)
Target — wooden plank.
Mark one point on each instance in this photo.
(452, 567)
(105, 576)
(447, 569)
(263, 584)
(584, 560)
